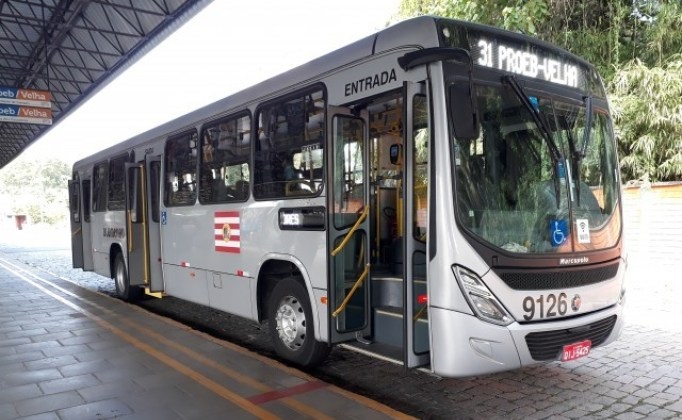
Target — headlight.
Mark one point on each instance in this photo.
(484, 304)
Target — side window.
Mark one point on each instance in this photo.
(155, 188)
(86, 201)
(116, 194)
(181, 166)
(99, 187)
(421, 159)
(348, 187)
(224, 172)
(289, 159)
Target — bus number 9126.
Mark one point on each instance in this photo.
(534, 308)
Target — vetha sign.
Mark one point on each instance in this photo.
(25, 106)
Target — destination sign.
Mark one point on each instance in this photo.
(25, 114)
(27, 97)
(510, 58)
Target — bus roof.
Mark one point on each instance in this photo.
(419, 32)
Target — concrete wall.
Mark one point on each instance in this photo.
(653, 222)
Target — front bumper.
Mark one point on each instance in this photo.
(463, 345)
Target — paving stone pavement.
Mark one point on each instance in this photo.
(637, 377)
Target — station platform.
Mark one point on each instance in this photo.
(70, 353)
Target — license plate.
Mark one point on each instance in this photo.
(576, 350)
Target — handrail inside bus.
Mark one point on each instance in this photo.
(350, 233)
(350, 294)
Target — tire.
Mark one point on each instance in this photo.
(291, 326)
(123, 288)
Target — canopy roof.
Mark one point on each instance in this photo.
(72, 48)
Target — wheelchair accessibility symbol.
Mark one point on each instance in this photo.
(558, 232)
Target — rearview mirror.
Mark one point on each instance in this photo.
(463, 111)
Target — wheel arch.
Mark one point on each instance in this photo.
(274, 267)
(115, 249)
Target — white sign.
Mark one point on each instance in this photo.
(583, 229)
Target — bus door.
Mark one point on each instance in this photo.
(88, 261)
(398, 220)
(349, 289)
(76, 222)
(415, 211)
(153, 165)
(136, 223)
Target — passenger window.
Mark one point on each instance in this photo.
(420, 135)
(181, 170)
(289, 158)
(224, 172)
(99, 187)
(116, 188)
(86, 201)
(155, 188)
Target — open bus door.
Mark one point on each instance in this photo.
(76, 222)
(415, 183)
(153, 165)
(378, 214)
(349, 286)
(136, 222)
(88, 261)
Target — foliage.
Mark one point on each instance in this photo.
(647, 106)
(37, 189)
(633, 44)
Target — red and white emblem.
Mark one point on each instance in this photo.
(226, 231)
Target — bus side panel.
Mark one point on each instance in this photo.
(182, 244)
(263, 238)
(188, 283)
(108, 230)
(233, 265)
(231, 293)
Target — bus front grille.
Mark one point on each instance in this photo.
(547, 345)
(556, 279)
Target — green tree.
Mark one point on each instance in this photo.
(647, 106)
(635, 45)
(36, 188)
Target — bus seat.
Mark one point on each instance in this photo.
(242, 189)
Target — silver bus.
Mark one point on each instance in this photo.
(439, 194)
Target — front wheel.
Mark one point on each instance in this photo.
(290, 323)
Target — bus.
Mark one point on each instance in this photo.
(441, 194)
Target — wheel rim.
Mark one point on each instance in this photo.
(290, 320)
(120, 277)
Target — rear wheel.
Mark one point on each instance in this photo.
(290, 323)
(123, 288)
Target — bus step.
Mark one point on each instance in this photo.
(388, 325)
(381, 351)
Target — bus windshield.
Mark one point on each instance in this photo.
(541, 177)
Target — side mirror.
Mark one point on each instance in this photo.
(463, 111)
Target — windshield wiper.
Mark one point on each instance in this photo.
(545, 130)
(579, 154)
(575, 171)
(588, 126)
